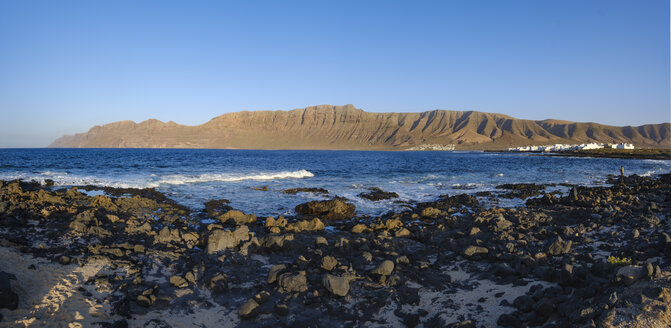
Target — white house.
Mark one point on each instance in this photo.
(563, 147)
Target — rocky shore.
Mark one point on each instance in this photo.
(88, 256)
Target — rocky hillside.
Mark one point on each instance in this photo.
(346, 127)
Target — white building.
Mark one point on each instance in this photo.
(621, 146)
(564, 147)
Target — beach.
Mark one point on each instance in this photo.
(133, 257)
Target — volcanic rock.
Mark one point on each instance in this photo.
(237, 217)
(306, 225)
(384, 269)
(328, 263)
(377, 194)
(475, 250)
(338, 286)
(219, 240)
(559, 247)
(249, 309)
(293, 282)
(8, 298)
(334, 209)
(294, 191)
(629, 274)
(274, 271)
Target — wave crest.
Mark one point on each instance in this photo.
(152, 181)
(226, 177)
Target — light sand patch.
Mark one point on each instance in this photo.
(200, 317)
(463, 304)
(457, 273)
(48, 295)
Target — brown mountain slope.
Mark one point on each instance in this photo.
(345, 127)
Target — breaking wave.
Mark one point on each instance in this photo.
(217, 177)
(153, 181)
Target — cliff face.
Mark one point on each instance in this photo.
(345, 127)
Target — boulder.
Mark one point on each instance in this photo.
(384, 269)
(8, 298)
(544, 307)
(475, 250)
(167, 235)
(190, 237)
(338, 286)
(653, 292)
(524, 303)
(629, 274)
(321, 241)
(178, 282)
(509, 320)
(241, 233)
(502, 224)
(359, 228)
(134, 227)
(276, 241)
(336, 208)
(274, 270)
(431, 212)
(220, 240)
(403, 232)
(559, 247)
(249, 309)
(377, 194)
(403, 259)
(293, 191)
(281, 222)
(328, 263)
(367, 256)
(218, 283)
(145, 300)
(261, 297)
(306, 225)
(458, 200)
(82, 221)
(237, 217)
(215, 207)
(292, 283)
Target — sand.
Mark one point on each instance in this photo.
(50, 296)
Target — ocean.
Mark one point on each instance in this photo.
(194, 176)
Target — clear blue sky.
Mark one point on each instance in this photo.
(68, 65)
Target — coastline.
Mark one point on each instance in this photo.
(134, 257)
(661, 154)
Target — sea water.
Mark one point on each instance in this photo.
(194, 176)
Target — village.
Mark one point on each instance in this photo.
(565, 147)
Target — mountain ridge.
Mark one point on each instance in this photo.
(347, 127)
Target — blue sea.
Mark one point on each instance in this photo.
(192, 177)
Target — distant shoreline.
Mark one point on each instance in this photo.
(662, 154)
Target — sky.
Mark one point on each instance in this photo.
(66, 66)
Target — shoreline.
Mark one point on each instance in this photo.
(136, 258)
(659, 154)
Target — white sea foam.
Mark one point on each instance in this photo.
(466, 185)
(63, 179)
(60, 179)
(649, 173)
(229, 177)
